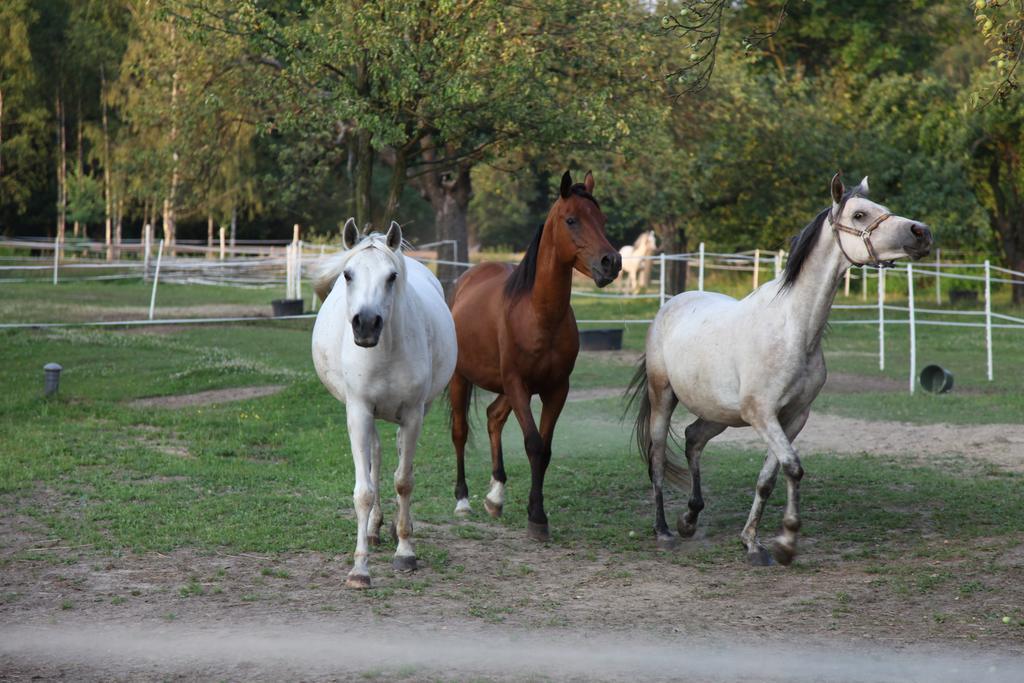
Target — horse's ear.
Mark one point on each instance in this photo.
(588, 182)
(349, 234)
(837, 188)
(863, 187)
(566, 188)
(394, 238)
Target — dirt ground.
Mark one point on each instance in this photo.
(500, 607)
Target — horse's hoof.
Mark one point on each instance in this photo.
(404, 563)
(783, 553)
(358, 581)
(685, 530)
(493, 509)
(462, 508)
(373, 540)
(759, 557)
(538, 532)
(666, 542)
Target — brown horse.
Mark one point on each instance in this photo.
(517, 337)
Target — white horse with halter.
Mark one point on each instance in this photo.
(384, 345)
(758, 362)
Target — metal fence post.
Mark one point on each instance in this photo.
(156, 279)
(56, 258)
(881, 319)
(988, 318)
(938, 277)
(664, 273)
(700, 269)
(757, 267)
(913, 331)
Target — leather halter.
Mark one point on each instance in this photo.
(865, 235)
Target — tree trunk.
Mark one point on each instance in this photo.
(170, 201)
(78, 165)
(119, 217)
(1, 131)
(673, 240)
(106, 158)
(62, 190)
(449, 193)
(364, 178)
(209, 236)
(398, 168)
(234, 226)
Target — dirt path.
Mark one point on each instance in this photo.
(344, 651)
(489, 604)
(203, 398)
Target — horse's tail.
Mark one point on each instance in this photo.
(676, 473)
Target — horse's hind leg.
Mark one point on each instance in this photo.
(781, 453)
(377, 513)
(458, 395)
(697, 436)
(497, 414)
(663, 402)
(408, 434)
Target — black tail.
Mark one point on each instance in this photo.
(676, 473)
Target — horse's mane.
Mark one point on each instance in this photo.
(329, 269)
(521, 280)
(802, 245)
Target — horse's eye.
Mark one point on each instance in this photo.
(348, 276)
(570, 220)
(858, 215)
(392, 277)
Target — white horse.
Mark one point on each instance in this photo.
(384, 345)
(758, 362)
(634, 266)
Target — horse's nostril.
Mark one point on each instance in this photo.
(355, 320)
(378, 322)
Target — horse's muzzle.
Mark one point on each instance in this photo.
(606, 269)
(366, 327)
(922, 244)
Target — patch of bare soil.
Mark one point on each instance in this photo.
(1000, 444)
(203, 398)
(489, 604)
(845, 383)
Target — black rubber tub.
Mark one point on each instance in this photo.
(601, 340)
(286, 307)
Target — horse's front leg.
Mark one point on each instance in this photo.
(458, 396)
(408, 434)
(781, 453)
(519, 398)
(552, 403)
(363, 433)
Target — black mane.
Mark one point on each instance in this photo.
(521, 280)
(802, 244)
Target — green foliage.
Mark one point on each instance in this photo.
(85, 199)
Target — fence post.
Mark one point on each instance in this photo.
(700, 269)
(846, 286)
(56, 257)
(938, 277)
(147, 239)
(298, 270)
(988, 318)
(156, 278)
(757, 267)
(778, 263)
(288, 272)
(863, 283)
(881, 319)
(913, 322)
(661, 298)
(223, 232)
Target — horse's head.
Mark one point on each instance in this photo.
(868, 234)
(578, 231)
(374, 271)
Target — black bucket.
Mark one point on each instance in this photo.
(284, 307)
(936, 379)
(601, 340)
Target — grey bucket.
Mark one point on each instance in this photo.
(936, 379)
(283, 307)
(51, 373)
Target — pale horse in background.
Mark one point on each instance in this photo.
(384, 345)
(758, 362)
(636, 268)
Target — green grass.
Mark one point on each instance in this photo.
(275, 474)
